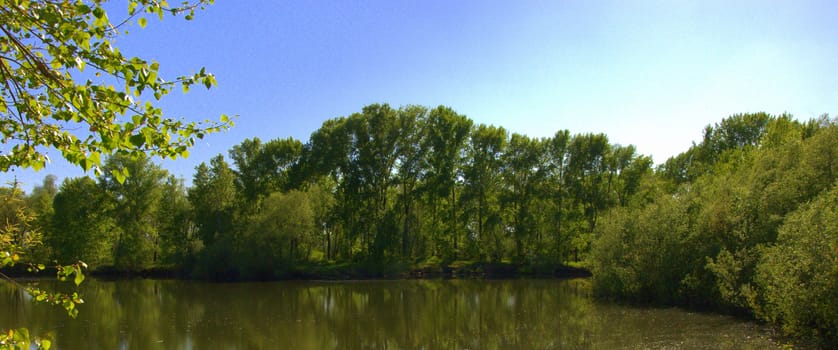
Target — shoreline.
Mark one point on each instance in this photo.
(337, 272)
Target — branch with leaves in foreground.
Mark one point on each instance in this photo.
(64, 85)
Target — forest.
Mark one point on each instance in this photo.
(743, 221)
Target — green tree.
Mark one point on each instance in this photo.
(626, 172)
(40, 200)
(279, 235)
(524, 182)
(559, 193)
(799, 276)
(360, 154)
(587, 171)
(322, 200)
(135, 207)
(736, 131)
(213, 199)
(410, 156)
(374, 134)
(749, 228)
(327, 155)
(177, 231)
(262, 168)
(446, 133)
(82, 227)
(481, 191)
(17, 223)
(640, 253)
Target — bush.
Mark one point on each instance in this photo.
(799, 274)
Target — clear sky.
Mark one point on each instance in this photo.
(647, 73)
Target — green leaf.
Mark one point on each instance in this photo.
(118, 175)
(98, 12)
(79, 277)
(137, 140)
(85, 164)
(142, 22)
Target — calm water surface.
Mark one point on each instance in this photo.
(411, 314)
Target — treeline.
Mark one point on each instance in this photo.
(746, 220)
(383, 187)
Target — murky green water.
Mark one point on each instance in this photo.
(426, 314)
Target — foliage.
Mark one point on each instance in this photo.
(17, 235)
(58, 60)
(387, 189)
(176, 231)
(382, 186)
(213, 200)
(749, 228)
(799, 274)
(279, 235)
(134, 204)
(82, 227)
(640, 253)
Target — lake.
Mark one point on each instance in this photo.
(383, 314)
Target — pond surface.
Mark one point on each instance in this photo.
(403, 314)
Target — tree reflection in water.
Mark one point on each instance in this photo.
(408, 314)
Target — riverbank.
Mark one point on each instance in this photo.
(341, 271)
(457, 269)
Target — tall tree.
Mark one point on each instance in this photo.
(482, 177)
(40, 201)
(327, 154)
(587, 169)
(262, 168)
(374, 134)
(625, 172)
(135, 204)
(213, 199)
(177, 231)
(559, 192)
(409, 160)
(524, 180)
(586, 175)
(446, 133)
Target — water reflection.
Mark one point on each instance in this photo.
(456, 314)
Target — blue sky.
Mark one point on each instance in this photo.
(647, 73)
